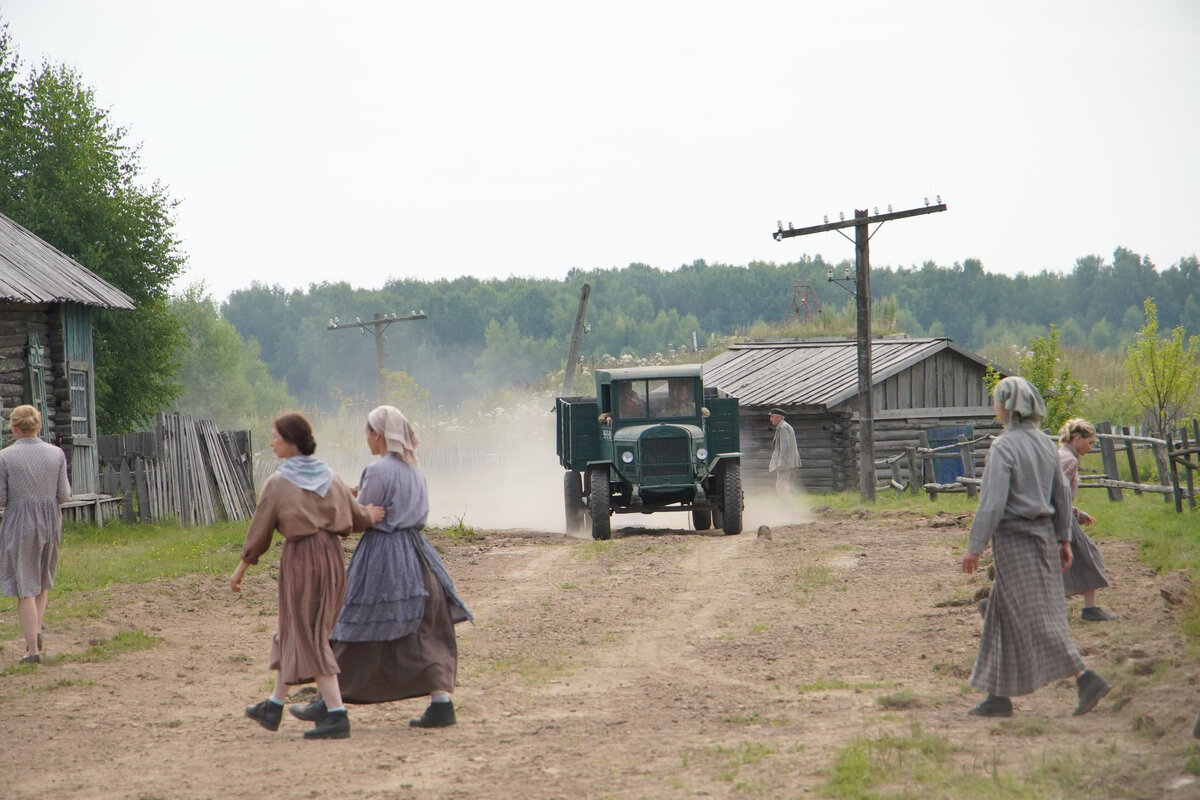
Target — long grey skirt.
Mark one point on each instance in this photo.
(1026, 641)
(1087, 564)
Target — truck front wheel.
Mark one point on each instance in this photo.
(731, 516)
(573, 501)
(598, 503)
(702, 520)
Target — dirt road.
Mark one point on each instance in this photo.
(662, 664)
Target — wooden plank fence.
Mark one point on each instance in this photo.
(185, 469)
(1170, 457)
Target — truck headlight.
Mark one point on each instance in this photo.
(627, 456)
(702, 453)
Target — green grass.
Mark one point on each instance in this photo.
(92, 558)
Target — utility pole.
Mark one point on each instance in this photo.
(377, 325)
(576, 338)
(862, 293)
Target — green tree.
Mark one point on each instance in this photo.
(67, 174)
(222, 376)
(1042, 368)
(1164, 373)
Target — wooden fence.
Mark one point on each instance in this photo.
(185, 470)
(1169, 457)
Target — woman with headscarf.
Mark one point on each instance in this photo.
(33, 484)
(1025, 511)
(312, 509)
(395, 636)
(1086, 575)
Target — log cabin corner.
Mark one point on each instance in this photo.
(46, 358)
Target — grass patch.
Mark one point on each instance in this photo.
(807, 578)
(900, 700)
(459, 532)
(756, 719)
(531, 670)
(596, 548)
(98, 650)
(922, 766)
(94, 558)
(727, 762)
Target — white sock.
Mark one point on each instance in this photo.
(440, 697)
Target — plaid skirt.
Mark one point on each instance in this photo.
(1026, 641)
(1087, 564)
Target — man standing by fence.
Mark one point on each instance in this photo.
(785, 457)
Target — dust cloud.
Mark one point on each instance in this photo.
(511, 479)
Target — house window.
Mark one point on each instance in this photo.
(36, 395)
(80, 411)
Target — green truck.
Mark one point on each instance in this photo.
(652, 439)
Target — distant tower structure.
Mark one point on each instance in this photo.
(805, 303)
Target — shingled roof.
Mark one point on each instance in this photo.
(817, 373)
(34, 271)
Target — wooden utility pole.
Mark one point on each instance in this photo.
(576, 338)
(378, 325)
(862, 293)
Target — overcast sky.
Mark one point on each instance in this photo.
(363, 141)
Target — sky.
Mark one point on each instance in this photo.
(363, 141)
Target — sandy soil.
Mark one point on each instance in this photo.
(665, 663)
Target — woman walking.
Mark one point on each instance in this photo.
(33, 484)
(1025, 511)
(1086, 575)
(311, 508)
(395, 636)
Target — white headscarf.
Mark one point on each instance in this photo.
(1020, 398)
(397, 431)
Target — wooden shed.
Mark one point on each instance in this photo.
(46, 300)
(918, 385)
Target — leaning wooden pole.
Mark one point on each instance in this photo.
(576, 338)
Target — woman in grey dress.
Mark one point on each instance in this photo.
(1025, 511)
(33, 484)
(394, 638)
(1086, 575)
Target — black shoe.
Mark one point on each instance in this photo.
(993, 706)
(1097, 614)
(1091, 688)
(31, 658)
(313, 711)
(335, 725)
(266, 714)
(438, 715)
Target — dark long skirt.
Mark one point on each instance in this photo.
(1026, 640)
(1087, 564)
(411, 666)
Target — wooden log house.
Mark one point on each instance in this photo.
(917, 384)
(46, 359)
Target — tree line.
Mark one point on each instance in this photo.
(482, 335)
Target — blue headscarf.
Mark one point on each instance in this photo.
(307, 472)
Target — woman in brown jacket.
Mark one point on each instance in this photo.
(311, 508)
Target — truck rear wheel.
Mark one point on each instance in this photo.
(731, 515)
(702, 519)
(598, 503)
(573, 501)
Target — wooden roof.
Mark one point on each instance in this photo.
(817, 373)
(34, 271)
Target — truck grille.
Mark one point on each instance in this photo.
(665, 457)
